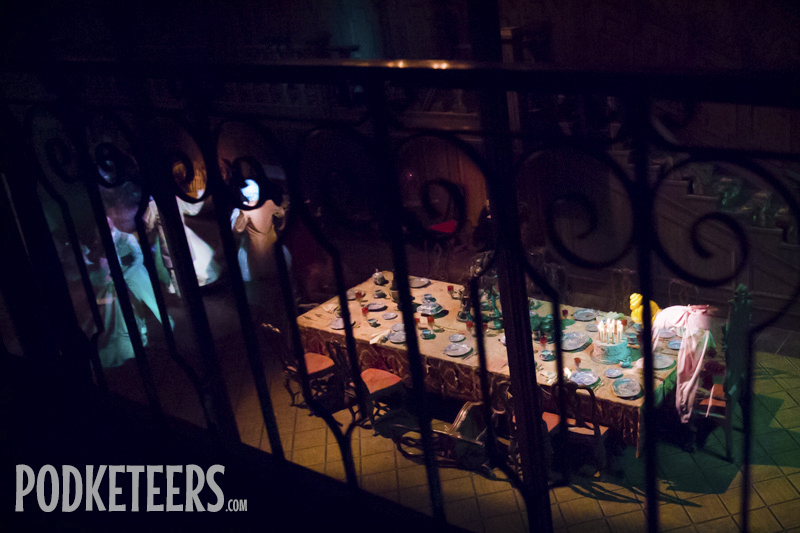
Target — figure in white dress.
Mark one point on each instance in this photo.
(205, 266)
(114, 343)
(258, 230)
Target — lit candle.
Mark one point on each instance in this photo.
(619, 331)
(601, 330)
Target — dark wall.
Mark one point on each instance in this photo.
(737, 34)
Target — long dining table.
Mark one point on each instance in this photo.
(458, 377)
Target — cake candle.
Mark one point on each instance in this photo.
(600, 330)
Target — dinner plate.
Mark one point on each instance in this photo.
(613, 373)
(583, 377)
(661, 361)
(457, 350)
(376, 306)
(666, 334)
(398, 327)
(418, 283)
(591, 327)
(548, 355)
(338, 323)
(389, 316)
(574, 340)
(397, 337)
(457, 337)
(674, 345)
(502, 339)
(585, 315)
(626, 388)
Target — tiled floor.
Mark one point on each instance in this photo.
(698, 491)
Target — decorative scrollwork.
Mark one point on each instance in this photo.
(725, 225)
(436, 209)
(715, 221)
(114, 166)
(573, 218)
(59, 156)
(184, 160)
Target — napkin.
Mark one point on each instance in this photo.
(378, 336)
(331, 306)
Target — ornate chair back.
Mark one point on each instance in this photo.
(579, 410)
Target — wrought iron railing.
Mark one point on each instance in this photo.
(78, 141)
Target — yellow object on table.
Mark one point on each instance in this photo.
(637, 308)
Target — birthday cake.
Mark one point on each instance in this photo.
(610, 353)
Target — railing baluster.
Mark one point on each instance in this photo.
(222, 209)
(389, 191)
(643, 234)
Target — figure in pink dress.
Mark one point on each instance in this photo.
(692, 321)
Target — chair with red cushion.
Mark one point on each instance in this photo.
(718, 402)
(440, 248)
(380, 390)
(321, 368)
(505, 422)
(583, 429)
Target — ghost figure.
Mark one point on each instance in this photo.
(114, 343)
(205, 266)
(693, 321)
(257, 228)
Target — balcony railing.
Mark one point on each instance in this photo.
(86, 130)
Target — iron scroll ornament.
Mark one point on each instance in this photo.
(453, 193)
(587, 204)
(730, 223)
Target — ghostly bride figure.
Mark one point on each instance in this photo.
(258, 230)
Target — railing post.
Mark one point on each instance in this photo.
(487, 46)
(643, 234)
(390, 192)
